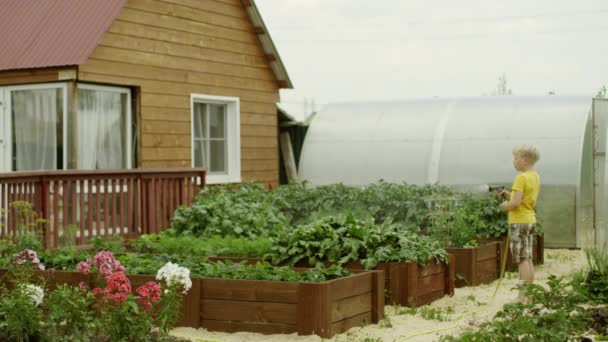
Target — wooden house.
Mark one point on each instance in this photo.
(121, 84)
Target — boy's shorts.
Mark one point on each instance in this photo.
(522, 240)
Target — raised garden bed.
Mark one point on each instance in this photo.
(538, 251)
(476, 265)
(409, 284)
(270, 307)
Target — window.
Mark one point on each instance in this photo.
(40, 131)
(216, 137)
(37, 126)
(103, 129)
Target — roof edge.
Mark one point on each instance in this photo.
(260, 29)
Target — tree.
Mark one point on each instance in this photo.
(602, 93)
(502, 89)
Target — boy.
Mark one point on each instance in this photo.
(520, 208)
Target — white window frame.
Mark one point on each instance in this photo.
(8, 119)
(233, 136)
(6, 164)
(121, 90)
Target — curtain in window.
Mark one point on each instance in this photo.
(35, 129)
(210, 137)
(100, 142)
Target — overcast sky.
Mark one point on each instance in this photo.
(350, 50)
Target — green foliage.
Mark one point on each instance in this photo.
(402, 203)
(483, 212)
(342, 239)
(20, 318)
(302, 204)
(436, 314)
(167, 243)
(149, 264)
(68, 314)
(113, 243)
(251, 212)
(553, 314)
(169, 310)
(248, 213)
(125, 321)
(594, 282)
(29, 226)
(63, 259)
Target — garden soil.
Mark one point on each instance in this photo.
(471, 306)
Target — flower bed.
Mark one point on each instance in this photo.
(227, 296)
(476, 265)
(269, 307)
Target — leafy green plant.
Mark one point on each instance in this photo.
(200, 267)
(63, 259)
(342, 239)
(594, 283)
(69, 315)
(248, 212)
(29, 226)
(20, 315)
(553, 314)
(436, 314)
(167, 243)
(114, 243)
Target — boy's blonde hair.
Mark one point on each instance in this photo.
(528, 152)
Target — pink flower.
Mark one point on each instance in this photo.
(117, 289)
(106, 264)
(84, 287)
(105, 270)
(84, 267)
(149, 293)
(27, 256)
(103, 257)
(97, 292)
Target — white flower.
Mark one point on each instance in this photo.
(175, 275)
(35, 292)
(546, 311)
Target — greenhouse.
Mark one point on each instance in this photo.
(467, 143)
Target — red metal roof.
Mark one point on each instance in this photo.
(44, 33)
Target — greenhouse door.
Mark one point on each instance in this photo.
(600, 124)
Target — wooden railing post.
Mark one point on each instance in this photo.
(143, 209)
(44, 210)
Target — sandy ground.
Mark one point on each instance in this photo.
(470, 305)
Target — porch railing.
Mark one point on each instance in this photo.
(81, 205)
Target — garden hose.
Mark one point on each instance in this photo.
(502, 273)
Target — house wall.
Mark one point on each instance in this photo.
(170, 49)
(31, 76)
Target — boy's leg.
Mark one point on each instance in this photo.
(516, 246)
(526, 265)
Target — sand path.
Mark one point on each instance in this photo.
(470, 305)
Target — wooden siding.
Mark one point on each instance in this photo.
(171, 49)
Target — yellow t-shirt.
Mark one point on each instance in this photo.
(529, 184)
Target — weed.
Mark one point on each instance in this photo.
(405, 311)
(385, 322)
(436, 314)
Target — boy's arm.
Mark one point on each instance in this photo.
(513, 203)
